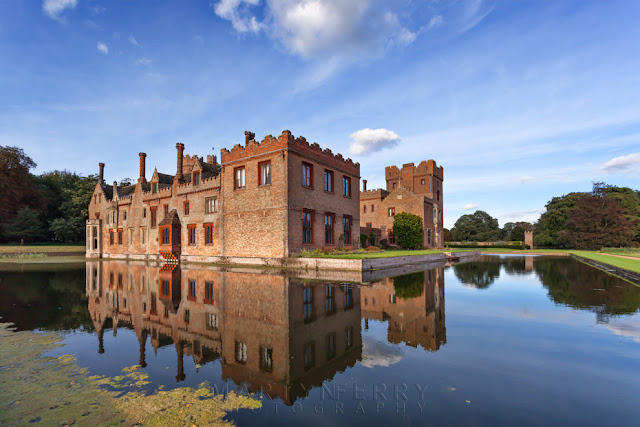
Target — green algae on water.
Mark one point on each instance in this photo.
(55, 390)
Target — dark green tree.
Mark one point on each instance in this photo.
(25, 226)
(409, 285)
(447, 235)
(69, 226)
(554, 220)
(408, 231)
(476, 227)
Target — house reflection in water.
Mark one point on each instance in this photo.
(413, 306)
(278, 333)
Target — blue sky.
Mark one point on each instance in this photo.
(519, 101)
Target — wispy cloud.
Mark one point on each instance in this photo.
(144, 61)
(524, 179)
(523, 215)
(103, 48)
(435, 22)
(470, 206)
(54, 8)
(367, 141)
(133, 41)
(622, 164)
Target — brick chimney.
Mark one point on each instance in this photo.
(364, 185)
(101, 175)
(179, 177)
(143, 166)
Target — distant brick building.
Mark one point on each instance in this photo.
(264, 199)
(413, 189)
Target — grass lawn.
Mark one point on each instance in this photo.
(627, 264)
(41, 249)
(633, 252)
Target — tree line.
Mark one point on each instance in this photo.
(51, 207)
(607, 216)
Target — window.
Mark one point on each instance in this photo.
(191, 230)
(307, 175)
(392, 237)
(364, 209)
(124, 215)
(328, 228)
(330, 299)
(211, 321)
(192, 290)
(392, 299)
(196, 178)
(165, 234)
(166, 311)
(309, 356)
(368, 225)
(210, 205)
(208, 292)
(328, 181)
(371, 208)
(346, 186)
(348, 337)
(111, 237)
(166, 210)
(119, 280)
(265, 173)
(144, 212)
(348, 296)
(165, 290)
(266, 359)
(438, 196)
(395, 185)
(154, 187)
(422, 181)
(120, 236)
(239, 178)
(346, 222)
(153, 216)
(130, 241)
(307, 235)
(392, 211)
(208, 234)
(307, 303)
(330, 346)
(241, 352)
(186, 316)
(143, 235)
(429, 237)
(186, 208)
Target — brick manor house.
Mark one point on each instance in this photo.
(265, 199)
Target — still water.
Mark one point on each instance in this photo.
(498, 340)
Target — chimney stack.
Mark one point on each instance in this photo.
(101, 176)
(364, 185)
(143, 166)
(179, 177)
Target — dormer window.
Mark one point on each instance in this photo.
(154, 188)
(196, 178)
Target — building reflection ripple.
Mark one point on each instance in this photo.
(283, 334)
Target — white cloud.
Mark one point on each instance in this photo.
(377, 353)
(144, 61)
(312, 28)
(133, 41)
(470, 206)
(103, 48)
(628, 330)
(435, 22)
(626, 163)
(524, 179)
(54, 8)
(367, 141)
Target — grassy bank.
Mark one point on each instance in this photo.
(56, 391)
(41, 248)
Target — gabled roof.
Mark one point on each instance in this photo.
(171, 219)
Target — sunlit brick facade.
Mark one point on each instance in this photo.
(265, 199)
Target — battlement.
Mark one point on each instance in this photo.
(377, 194)
(426, 167)
(287, 141)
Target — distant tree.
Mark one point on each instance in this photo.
(505, 233)
(125, 181)
(447, 235)
(629, 201)
(17, 185)
(517, 233)
(409, 286)
(476, 227)
(479, 275)
(26, 225)
(408, 231)
(598, 221)
(70, 225)
(554, 220)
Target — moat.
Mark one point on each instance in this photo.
(500, 340)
